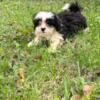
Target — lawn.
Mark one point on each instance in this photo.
(34, 73)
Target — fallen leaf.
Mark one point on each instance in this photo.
(20, 77)
(87, 89)
(25, 54)
(76, 97)
(38, 57)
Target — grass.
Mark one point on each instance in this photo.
(47, 76)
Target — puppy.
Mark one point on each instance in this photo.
(57, 27)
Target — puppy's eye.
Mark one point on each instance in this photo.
(50, 22)
(37, 22)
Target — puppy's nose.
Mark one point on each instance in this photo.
(43, 29)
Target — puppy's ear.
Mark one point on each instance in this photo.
(57, 23)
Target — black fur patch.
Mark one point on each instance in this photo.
(53, 22)
(37, 22)
(72, 21)
(75, 7)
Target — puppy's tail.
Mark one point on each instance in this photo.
(72, 7)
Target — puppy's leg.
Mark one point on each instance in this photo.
(86, 30)
(36, 41)
(55, 43)
(30, 43)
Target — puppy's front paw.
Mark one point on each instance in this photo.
(30, 44)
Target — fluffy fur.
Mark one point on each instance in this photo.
(57, 27)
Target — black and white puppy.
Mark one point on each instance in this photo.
(57, 27)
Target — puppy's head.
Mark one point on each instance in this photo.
(45, 23)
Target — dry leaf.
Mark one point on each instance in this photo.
(20, 77)
(25, 54)
(87, 89)
(76, 97)
(38, 57)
